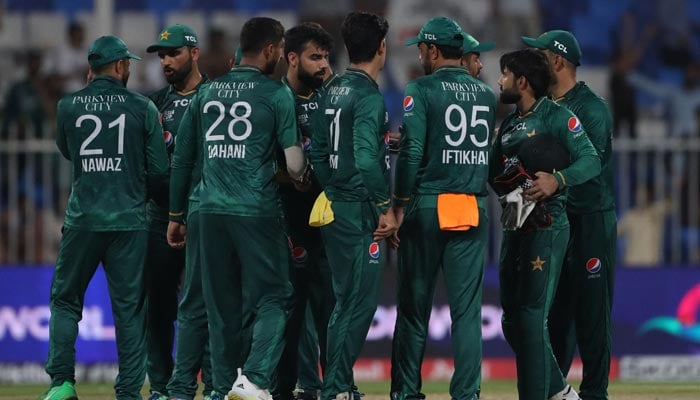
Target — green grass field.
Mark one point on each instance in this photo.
(492, 390)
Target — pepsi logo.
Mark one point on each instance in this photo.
(593, 265)
(408, 103)
(169, 138)
(574, 125)
(306, 143)
(300, 255)
(374, 250)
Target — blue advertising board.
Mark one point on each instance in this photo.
(655, 313)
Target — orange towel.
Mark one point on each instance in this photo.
(457, 211)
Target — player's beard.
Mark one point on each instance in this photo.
(313, 81)
(271, 66)
(125, 78)
(181, 74)
(427, 67)
(510, 96)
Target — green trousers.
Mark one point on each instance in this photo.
(309, 351)
(583, 302)
(122, 255)
(245, 272)
(425, 250)
(192, 351)
(529, 270)
(356, 262)
(313, 292)
(164, 266)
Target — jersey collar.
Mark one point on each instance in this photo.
(196, 88)
(458, 68)
(359, 72)
(534, 107)
(249, 68)
(107, 78)
(571, 93)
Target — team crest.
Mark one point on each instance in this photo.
(574, 125)
(408, 103)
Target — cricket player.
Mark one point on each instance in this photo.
(306, 49)
(177, 47)
(114, 140)
(471, 54)
(241, 118)
(440, 193)
(351, 163)
(582, 305)
(532, 255)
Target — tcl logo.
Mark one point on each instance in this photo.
(560, 47)
(429, 36)
(181, 102)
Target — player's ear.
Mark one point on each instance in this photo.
(194, 53)
(382, 47)
(292, 59)
(269, 50)
(522, 83)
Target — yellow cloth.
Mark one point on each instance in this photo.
(321, 213)
(457, 211)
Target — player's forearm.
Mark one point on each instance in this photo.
(296, 162)
(180, 180)
(583, 169)
(373, 178)
(406, 171)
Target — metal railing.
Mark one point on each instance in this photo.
(35, 183)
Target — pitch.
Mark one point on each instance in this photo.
(435, 390)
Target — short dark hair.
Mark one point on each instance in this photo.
(363, 34)
(296, 38)
(533, 65)
(259, 32)
(450, 52)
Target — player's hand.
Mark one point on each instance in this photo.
(304, 183)
(394, 240)
(387, 225)
(176, 235)
(394, 140)
(544, 186)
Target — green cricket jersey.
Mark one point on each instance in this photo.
(114, 139)
(241, 117)
(547, 118)
(349, 153)
(448, 120)
(596, 194)
(172, 105)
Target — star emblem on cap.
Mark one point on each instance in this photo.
(537, 264)
(164, 35)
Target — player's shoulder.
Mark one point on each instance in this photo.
(591, 103)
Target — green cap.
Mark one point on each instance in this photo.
(174, 36)
(559, 42)
(439, 30)
(471, 45)
(107, 49)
